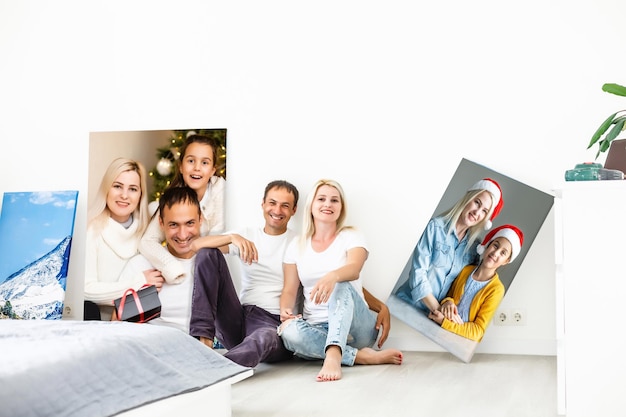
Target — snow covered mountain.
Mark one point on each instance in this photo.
(37, 291)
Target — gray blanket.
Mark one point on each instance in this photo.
(75, 368)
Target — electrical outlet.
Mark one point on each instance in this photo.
(510, 317)
(502, 317)
(518, 317)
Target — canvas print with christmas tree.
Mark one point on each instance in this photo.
(159, 151)
(36, 230)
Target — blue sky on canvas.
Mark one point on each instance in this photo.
(31, 225)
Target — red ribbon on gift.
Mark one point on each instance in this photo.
(120, 313)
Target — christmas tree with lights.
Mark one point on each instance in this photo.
(165, 170)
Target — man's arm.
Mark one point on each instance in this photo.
(383, 319)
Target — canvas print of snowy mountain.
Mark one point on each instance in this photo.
(36, 231)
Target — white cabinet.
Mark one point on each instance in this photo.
(590, 254)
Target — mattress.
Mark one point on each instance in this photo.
(92, 368)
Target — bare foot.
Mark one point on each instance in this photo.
(331, 369)
(369, 356)
(207, 341)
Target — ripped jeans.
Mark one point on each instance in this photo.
(351, 326)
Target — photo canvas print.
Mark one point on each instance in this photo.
(195, 157)
(36, 230)
(524, 206)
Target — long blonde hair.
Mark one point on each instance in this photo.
(99, 213)
(308, 226)
(451, 216)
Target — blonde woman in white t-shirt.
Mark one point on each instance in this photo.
(338, 323)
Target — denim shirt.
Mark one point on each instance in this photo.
(437, 259)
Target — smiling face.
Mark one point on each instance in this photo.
(497, 253)
(181, 225)
(476, 210)
(326, 204)
(197, 167)
(278, 207)
(124, 195)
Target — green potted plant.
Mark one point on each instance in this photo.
(617, 120)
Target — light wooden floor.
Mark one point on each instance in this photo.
(432, 384)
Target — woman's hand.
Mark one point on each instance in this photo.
(287, 314)
(154, 277)
(320, 293)
(451, 312)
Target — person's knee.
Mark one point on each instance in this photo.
(288, 332)
(208, 255)
(342, 290)
(267, 337)
(286, 328)
(267, 333)
(210, 265)
(343, 295)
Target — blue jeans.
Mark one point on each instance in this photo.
(351, 326)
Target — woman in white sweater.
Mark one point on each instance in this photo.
(118, 217)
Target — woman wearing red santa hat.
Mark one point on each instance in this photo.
(477, 291)
(448, 244)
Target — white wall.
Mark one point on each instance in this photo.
(386, 97)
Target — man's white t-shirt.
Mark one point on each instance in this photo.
(312, 266)
(262, 281)
(175, 298)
